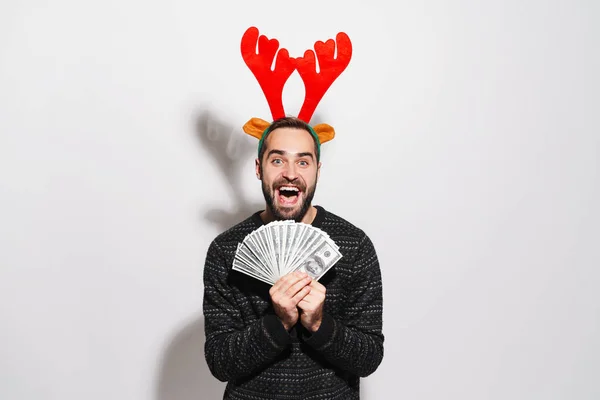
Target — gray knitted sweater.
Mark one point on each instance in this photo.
(247, 345)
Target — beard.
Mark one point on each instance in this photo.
(280, 213)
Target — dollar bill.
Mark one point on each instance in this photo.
(281, 247)
(321, 260)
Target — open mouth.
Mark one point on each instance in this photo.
(288, 195)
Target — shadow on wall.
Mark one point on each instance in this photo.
(183, 373)
(230, 148)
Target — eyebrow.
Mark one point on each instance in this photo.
(283, 153)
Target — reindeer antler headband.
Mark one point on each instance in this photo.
(272, 81)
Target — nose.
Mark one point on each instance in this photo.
(289, 172)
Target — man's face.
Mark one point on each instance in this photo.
(289, 171)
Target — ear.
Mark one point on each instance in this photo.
(325, 132)
(255, 127)
(257, 168)
(318, 170)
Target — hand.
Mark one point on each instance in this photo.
(312, 307)
(285, 295)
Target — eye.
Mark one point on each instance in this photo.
(303, 163)
(277, 161)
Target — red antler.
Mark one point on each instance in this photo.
(316, 84)
(271, 82)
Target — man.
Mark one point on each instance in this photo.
(300, 338)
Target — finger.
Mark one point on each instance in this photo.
(317, 286)
(301, 295)
(293, 277)
(296, 287)
(292, 284)
(313, 299)
(285, 282)
(306, 304)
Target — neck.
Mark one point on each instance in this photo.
(309, 217)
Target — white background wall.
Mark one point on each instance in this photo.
(468, 149)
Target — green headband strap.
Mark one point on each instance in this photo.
(312, 132)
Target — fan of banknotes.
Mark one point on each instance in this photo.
(280, 247)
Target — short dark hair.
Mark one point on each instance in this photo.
(288, 122)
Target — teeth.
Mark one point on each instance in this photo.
(291, 188)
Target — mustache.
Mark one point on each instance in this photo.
(284, 182)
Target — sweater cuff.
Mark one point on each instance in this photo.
(323, 335)
(274, 330)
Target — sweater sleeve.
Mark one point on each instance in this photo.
(355, 344)
(233, 349)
